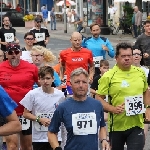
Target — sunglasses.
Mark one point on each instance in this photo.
(137, 54)
(11, 52)
(29, 38)
(39, 21)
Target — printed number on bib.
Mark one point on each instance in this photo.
(9, 37)
(134, 105)
(97, 60)
(40, 37)
(64, 81)
(40, 127)
(84, 123)
(24, 122)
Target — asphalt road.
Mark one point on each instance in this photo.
(55, 46)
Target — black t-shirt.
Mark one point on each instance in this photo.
(39, 35)
(94, 85)
(148, 79)
(6, 33)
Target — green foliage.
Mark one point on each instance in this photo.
(128, 11)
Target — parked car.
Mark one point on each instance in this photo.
(16, 18)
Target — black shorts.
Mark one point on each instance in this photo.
(28, 131)
(42, 146)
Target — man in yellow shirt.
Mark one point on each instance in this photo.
(127, 88)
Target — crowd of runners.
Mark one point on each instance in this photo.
(67, 106)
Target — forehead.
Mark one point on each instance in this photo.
(95, 27)
(76, 37)
(125, 51)
(147, 24)
(80, 77)
(29, 36)
(136, 51)
(36, 52)
(6, 18)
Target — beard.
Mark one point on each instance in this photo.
(14, 62)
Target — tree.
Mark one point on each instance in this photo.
(139, 4)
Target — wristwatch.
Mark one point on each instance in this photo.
(148, 107)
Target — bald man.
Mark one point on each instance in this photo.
(137, 21)
(75, 57)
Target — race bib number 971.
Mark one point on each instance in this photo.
(134, 105)
(84, 123)
(97, 60)
(9, 37)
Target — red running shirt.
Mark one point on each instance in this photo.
(76, 59)
(18, 81)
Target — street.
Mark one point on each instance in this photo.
(56, 44)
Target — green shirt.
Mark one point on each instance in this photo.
(120, 84)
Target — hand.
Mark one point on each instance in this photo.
(90, 79)
(75, 22)
(62, 78)
(105, 48)
(4, 43)
(146, 55)
(46, 42)
(147, 114)
(119, 109)
(44, 121)
(17, 41)
(105, 145)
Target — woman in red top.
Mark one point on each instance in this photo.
(17, 78)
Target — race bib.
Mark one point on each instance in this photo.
(134, 105)
(97, 60)
(9, 37)
(26, 56)
(40, 37)
(84, 123)
(40, 127)
(64, 81)
(24, 122)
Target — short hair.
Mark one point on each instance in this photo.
(77, 72)
(43, 71)
(123, 45)
(146, 22)
(29, 33)
(104, 63)
(93, 24)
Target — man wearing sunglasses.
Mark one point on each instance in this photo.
(41, 33)
(7, 34)
(17, 77)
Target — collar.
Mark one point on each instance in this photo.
(96, 38)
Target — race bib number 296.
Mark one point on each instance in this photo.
(24, 122)
(84, 123)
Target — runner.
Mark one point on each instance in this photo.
(126, 99)
(98, 45)
(42, 102)
(41, 33)
(75, 57)
(81, 121)
(41, 56)
(29, 40)
(17, 78)
(7, 34)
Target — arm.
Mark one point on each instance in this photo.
(13, 126)
(53, 140)
(62, 70)
(146, 97)
(80, 21)
(91, 70)
(111, 52)
(92, 91)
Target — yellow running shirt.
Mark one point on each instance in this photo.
(120, 84)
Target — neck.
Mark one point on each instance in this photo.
(79, 98)
(48, 90)
(137, 65)
(123, 68)
(95, 37)
(27, 47)
(6, 27)
(147, 33)
(37, 27)
(76, 49)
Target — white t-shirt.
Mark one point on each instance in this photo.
(145, 70)
(38, 101)
(26, 56)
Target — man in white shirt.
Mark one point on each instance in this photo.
(112, 11)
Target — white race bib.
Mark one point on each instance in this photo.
(9, 37)
(39, 127)
(84, 123)
(97, 60)
(24, 122)
(134, 105)
(26, 55)
(64, 80)
(40, 37)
